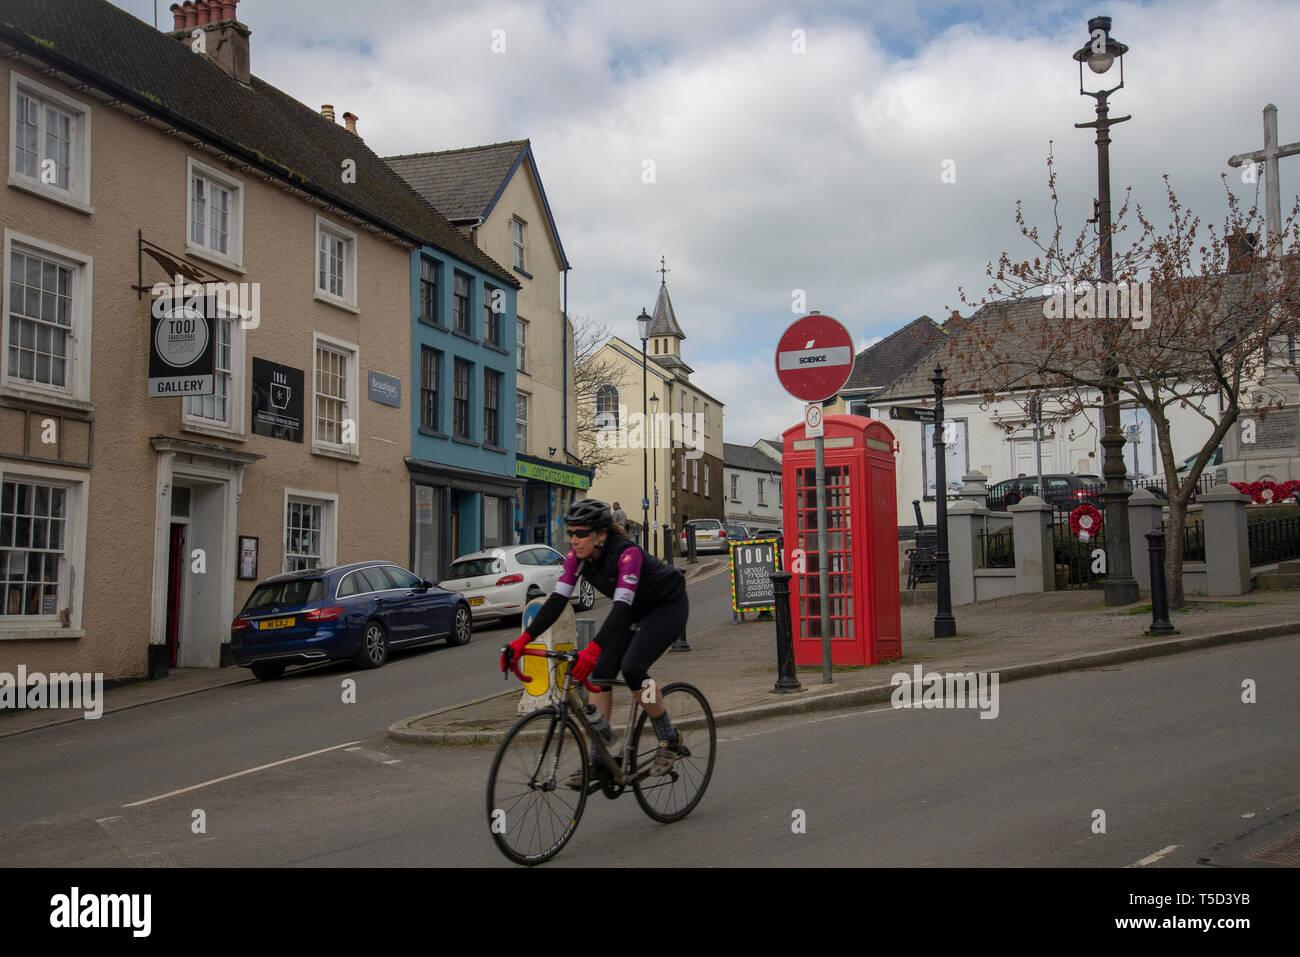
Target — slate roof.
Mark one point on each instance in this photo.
(460, 183)
(749, 458)
(665, 320)
(256, 125)
(878, 366)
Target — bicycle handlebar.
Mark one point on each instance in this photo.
(543, 653)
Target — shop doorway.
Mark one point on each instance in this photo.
(176, 604)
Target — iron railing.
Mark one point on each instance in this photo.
(1193, 540)
(997, 549)
(1276, 540)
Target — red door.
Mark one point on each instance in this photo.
(175, 585)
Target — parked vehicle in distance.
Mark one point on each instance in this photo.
(500, 582)
(737, 532)
(774, 533)
(709, 534)
(1062, 490)
(352, 612)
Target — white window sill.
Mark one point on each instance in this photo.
(26, 632)
(336, 302)
(18, 390)
(333, 453)
(216, 431)
(208, 255)
(52, 193)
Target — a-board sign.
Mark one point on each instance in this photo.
(752, 564)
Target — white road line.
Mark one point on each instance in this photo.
(240, 774)
(789, 727)
(1152, 858)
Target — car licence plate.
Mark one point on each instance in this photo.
(475, 602)
(270, 623)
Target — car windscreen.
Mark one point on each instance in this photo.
(471, 568)
(297, 591)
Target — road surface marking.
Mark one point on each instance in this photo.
(240, 774)
(1152, 858)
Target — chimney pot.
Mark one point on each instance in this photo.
(351, 120)
(205, 14)
(228, 9)
(327, 111)
(178, 16)
(191, 15)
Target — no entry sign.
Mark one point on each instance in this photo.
(814, 358)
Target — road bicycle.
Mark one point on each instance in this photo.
(532, 811)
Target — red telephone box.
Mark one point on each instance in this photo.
(861, 541)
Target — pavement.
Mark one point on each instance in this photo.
(1020, 636)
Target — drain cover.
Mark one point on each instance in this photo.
(1285, 850)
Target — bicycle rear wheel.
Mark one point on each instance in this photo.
(532, 813)
(673, 796)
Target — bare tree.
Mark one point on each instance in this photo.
(1193, 319)
(590, 372)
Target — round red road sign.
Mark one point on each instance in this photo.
(814, 358)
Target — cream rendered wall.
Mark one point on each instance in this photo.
(139, 181)
(540, 302)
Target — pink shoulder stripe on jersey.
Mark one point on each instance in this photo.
(569, 576)
(629, 573)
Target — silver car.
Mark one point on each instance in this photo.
(500, 582)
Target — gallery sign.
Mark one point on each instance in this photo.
(182, 351)
(277, 400)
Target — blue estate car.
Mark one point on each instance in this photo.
(354, 612)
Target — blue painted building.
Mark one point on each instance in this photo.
(462, 462)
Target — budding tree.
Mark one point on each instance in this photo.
(1191, 320)
(590, 371)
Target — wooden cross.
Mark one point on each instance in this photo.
(1269, 156)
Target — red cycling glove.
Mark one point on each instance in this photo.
(514, 650)
(586, 662)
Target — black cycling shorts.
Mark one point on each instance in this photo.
(636, 651)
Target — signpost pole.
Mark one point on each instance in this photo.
(945, 626)
(823, 570)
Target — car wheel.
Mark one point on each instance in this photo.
(268, 670)
(462, 627)
(586, 595)
(374, 646)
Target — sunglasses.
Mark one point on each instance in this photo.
(579, 532)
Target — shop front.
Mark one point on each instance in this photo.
(548, 489)
(456, 511)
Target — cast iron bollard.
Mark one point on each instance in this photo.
(681, 644)
(668, 545)
(690, 544)
(786, 679)
(1160, 623)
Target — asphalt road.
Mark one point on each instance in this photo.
(1184, 771)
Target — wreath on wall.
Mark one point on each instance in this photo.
(1266, 492)
(1085, 522)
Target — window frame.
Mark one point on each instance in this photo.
(233, 259)
(77, 196)
(351, 403)
(695, 476)
(232, 427)
(492, 411)
(436, 268)
(71, 588)
(521, 344)
(76, 394)
(329, 525)
(519, 242)
(491, 318)
(762, 492)
(706, 479)
(526, 398)
(735, 487)
(465, 329)
(348, 301)
(457, 409)
(435, 356)
(607, 387)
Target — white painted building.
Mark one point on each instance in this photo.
(751, 486)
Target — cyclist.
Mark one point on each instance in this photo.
(645, 590)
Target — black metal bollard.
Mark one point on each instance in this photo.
(668, 545)
(786, 680)
(690, 545)
(681, 644)
(1160, 623)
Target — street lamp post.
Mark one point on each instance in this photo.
(643, 327)
(654, 467)
(1100, 53)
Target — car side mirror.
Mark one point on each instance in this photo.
(425, 585)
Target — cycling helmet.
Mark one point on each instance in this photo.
(591, 512)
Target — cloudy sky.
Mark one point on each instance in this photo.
(794, 146)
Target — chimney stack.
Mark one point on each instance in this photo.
(327, 111)
(1242, 250)
(226, 40)
(351, 120)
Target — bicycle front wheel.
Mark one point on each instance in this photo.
(674, 795)
(532, 812)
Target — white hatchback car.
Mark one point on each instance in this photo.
(500, 582)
